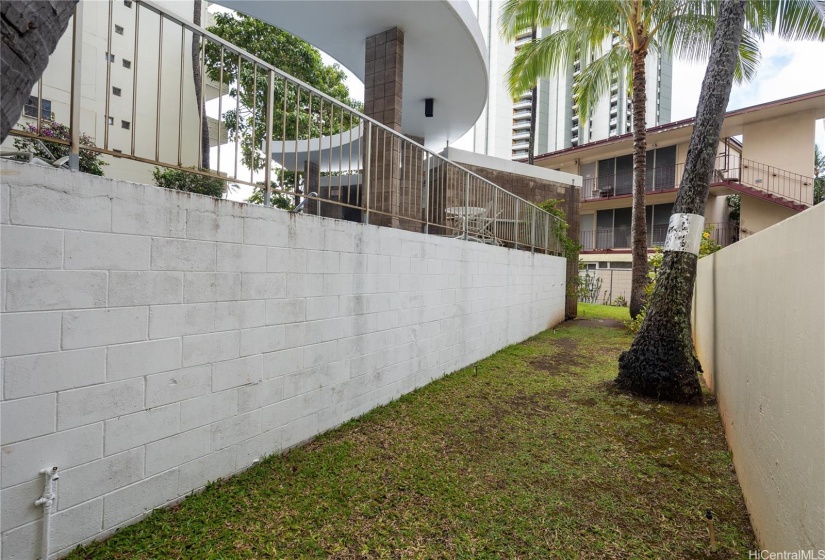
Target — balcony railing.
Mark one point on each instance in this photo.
(766, 179)
(620, 238)
(302, 141)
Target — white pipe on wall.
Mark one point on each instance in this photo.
(47, 500)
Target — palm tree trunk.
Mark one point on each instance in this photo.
(198, 78)
(30, 32)
(531, 142)
(661, 362)
(638, 223)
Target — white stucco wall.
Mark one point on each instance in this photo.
(759, 329)
(756, 214)
(153, 340)
(786, 142)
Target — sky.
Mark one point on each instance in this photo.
(787, 69)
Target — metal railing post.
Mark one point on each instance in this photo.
(368, 159)
(427, 197)
(547, 235)
(270, 115)
(466, 205)
(495, 215)
(533, 218)
(516, 225)
(74, 106)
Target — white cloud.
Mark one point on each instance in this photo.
(787, 69)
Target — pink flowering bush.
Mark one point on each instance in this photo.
(90, 161)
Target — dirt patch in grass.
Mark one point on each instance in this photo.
(596, 323)
(533, 455)
(562, 360)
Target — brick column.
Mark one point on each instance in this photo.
(384, 76)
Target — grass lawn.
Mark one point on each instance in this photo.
(597, 311)
(534, 455)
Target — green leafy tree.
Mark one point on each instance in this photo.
(297, 116)
(661, 362)
(819, 175)
(611, 39)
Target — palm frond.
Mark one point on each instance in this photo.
(594, 80)
(543, 57)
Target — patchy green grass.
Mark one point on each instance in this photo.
(597, 311)
(534, 455)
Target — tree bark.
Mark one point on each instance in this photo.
(198, 78)
(30, 32)
(662, 362)
(638, 223)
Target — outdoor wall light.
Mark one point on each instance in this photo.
(428, 107)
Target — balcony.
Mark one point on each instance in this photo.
(737, 175)
(619, 238)
(522, 104)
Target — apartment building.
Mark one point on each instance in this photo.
(129, 102)
(765, 157)
(504, 126)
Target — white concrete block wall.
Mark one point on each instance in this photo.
(759, 330)
(153, 341)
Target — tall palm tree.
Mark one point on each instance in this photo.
(612, 38)
(661, 362)
(30, 32)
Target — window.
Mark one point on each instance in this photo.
(119, 29)
(111, 121)
(125, 124)
(116, 91)
(109, 57)
(127, 63)
(127, 3)
(30, 108)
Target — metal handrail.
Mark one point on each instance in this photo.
(786, 184)
(604, 238)
(405, 164)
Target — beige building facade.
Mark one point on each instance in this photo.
(765, 157)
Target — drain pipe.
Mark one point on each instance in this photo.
(709, 521)
(47, 500)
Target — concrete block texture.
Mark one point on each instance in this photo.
(28, 247)
(153, 341)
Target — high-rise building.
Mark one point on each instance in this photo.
(503, 129)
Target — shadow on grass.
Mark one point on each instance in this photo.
(534, 455)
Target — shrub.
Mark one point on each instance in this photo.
(90, 161)
(570, 249)
(589, 287)
(180, 180)
(620, 302)
(707, 247)
(276, 199)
